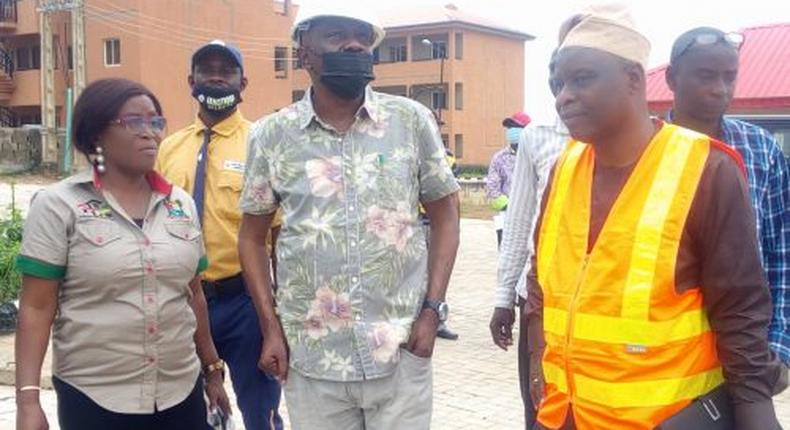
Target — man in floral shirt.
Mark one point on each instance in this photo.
(358, 301)
(500, 171)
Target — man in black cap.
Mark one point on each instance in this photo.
(207, 158)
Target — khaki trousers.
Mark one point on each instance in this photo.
(399, 401)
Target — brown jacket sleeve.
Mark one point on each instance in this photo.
(721, 226)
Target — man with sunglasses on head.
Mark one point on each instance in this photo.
(360, 297)
(702, 74)
(207, 158)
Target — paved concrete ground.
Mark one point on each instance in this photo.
(475, 383)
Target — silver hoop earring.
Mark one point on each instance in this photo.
(98, 162)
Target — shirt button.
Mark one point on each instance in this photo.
(149, 269)
(348, 172)
(147, 242)
(99, 239)
(354, 279)
(151, 360)
(352, 208)
(151, 329)
(353, 244)
(358, 317)
(149, 298)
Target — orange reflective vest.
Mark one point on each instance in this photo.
(622, 346)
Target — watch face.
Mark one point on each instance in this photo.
(443, 311)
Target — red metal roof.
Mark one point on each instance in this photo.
(763, 73)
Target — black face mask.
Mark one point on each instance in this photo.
(347, 73)
(216, 100)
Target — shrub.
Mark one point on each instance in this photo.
(10, 240)
(472, 171)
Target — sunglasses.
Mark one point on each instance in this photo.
(708, 39)
(137, 124)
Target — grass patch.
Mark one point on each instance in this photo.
(475, 210)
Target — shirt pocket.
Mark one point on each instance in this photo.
(99, 232)
(183, 230)
(229, 186)
(97, 251)
(184, 247)
(231, 180)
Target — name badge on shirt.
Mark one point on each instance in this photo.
(234, 166)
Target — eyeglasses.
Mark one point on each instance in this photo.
(707, 39)
(137, 124)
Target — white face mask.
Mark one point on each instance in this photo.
(512, 135)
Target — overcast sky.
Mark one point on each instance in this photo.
(661, 21)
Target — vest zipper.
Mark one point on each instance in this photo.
(569, 331)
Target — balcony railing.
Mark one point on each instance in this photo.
(8, 11)
(6, 63)
(8, 118)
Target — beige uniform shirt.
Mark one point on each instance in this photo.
(123, 334)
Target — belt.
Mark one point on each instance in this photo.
(226, 287)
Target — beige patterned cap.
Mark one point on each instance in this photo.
(609, 27)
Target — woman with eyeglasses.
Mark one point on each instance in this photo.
(111, 259)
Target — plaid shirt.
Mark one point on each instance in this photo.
(769, 187)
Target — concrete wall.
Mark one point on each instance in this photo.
(20, 150)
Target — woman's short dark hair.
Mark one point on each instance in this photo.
(99, 104)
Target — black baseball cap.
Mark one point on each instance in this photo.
(220, 47)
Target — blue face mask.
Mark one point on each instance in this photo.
(512, 135)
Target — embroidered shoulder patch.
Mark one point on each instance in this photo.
(175, 209)
(94, 209)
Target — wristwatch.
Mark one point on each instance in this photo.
(219, 366)
(441, 308)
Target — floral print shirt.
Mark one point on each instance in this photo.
(352, 258)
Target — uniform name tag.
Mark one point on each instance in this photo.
(234, 166)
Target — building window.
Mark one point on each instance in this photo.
(297, 95)
(395, 90)
(459, 96)
(112, 52)
(392, 50)
(35, 57)
(281, 62)
(296, 61)
(28, 57)
(429, 46)
(438, 100)
(459, 146)
(23, 59)
(446, 141)
(459, 46)
(398, 53)
(438, 50)
(281, 7)
(70, 57)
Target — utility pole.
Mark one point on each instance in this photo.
(78, 46)
(51, 152)
(49, 137)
